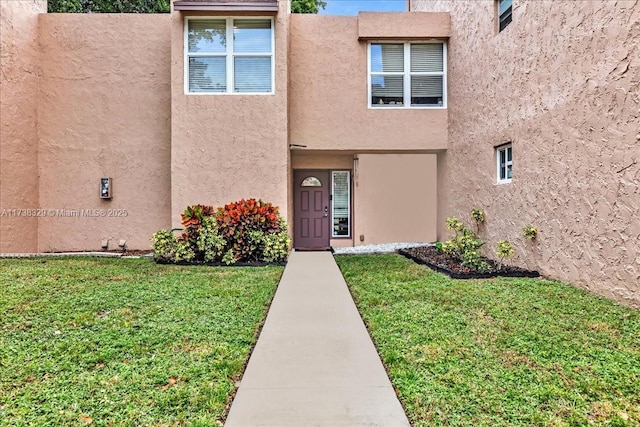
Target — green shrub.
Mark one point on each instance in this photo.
(229, 258)
(530, 232)
(209, 242)
(504, 250)
(184, 252)
(478, 216)
(164, 245)
(465, 245)
(276, 245)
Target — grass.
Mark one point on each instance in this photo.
(125, 342)
(501, 352)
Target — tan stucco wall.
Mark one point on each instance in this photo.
(395, 198)
(104, 111)
(228, 147)
(561, 82)
(328, 94)
(403, 26)
(19, 71)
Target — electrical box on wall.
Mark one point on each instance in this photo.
(105, 188)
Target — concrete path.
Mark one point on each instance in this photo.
(314, 363)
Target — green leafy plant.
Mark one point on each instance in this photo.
(438, 245)
(504, 250)
(164, 245)
(192, 220)
(478, 216)
(184, 252)
(530, 232)
(276, 246)
(209, 241)
(465, 245)
(229, 258)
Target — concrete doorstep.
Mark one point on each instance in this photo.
(314, 363)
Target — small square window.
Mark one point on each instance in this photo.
(504, 161)
(504, 8)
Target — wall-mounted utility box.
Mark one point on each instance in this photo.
(105, 188)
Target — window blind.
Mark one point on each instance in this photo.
(252, 74)
(426, 58)
(207, 74)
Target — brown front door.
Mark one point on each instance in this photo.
(311, 209)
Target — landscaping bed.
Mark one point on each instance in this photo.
(449, 265)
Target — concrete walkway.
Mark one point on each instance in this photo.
(314, 363)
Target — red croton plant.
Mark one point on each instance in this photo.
(235, 220)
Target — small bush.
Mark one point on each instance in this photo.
(465, 245)
(504, 250)
(530, 232)
(164, 245)
(209, 241)
(478, 216)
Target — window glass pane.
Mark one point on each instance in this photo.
(252, 74)
(387, 58)
(208, 74)
(426, 57)
(504, 5)
(508, 154)
(426, 90)
(311, 181)
(252, 36)
(387, 90)
(509, 172)
(341, 204)
(207, 35)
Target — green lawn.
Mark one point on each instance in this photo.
(125, 341)
(510, 352)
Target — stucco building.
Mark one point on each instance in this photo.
(365, 129)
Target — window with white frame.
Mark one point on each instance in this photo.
(341, 203)
(405, 75)
(504, 160)
(229, 55)
(504, 13)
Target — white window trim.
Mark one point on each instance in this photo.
(407, 73)
(349, 219)
(229, 53)
(504, 148)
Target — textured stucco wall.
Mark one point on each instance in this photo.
(19, 73)
(104, 111)
(562, 82)
(328, 94)
(228, 147)
(401, 25)
(395, 198)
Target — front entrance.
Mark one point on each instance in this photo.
(311, 209)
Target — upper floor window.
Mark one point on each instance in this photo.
(404, 75)
(504, 13)
(504, 160)
(229, 55)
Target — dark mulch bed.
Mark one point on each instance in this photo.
(439, 261)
